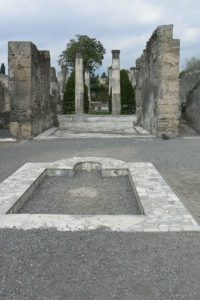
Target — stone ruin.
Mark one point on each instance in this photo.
(32, 110)
(31, 96)
(190, 98)
(4, 102)
(157, 84)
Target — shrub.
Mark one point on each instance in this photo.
(127, 94)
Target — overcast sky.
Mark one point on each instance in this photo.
(118, 24)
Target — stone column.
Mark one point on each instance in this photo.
(79, 85)
(87, 83)
(132, 76)
(109, 79)
(64, 72)
(116, 94)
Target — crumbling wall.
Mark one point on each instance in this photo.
(4, 102)
(190, 98)
(29, 73)
(187, 83)
(157, 83)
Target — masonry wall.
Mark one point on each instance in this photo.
(190, 98)
(32, 110)
(157, 83)
(4, 102)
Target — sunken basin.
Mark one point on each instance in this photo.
(90, 193)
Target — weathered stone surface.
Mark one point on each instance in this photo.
(109, 79)
(4, 102)
(79, 85)
(55, 91)
(87, 83)
(132, 76)
(157, 84)
(32, 109)
(116, 93)
(187, 83)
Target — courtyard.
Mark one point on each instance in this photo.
(98, 264)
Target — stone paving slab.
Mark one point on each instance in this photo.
(56, 133)
(163, 211)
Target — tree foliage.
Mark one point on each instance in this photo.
(127, 94)
(2, 69)
(69, 95)
(193, 64)
(91, 49)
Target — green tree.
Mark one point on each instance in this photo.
(2, 69)
(193, 64)
(127, 94)
(103, 75)
(69, 96)
(91, 49)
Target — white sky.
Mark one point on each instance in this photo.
(118, 24)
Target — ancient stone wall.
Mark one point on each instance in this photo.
(4, 102)
(157, 83)
(187, 83)
(190, 98)
(29, 73)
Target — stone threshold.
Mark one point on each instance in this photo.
(163, 210)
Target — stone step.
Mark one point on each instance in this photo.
(95, 123)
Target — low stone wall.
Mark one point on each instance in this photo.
(157, 84)
(190, 98)
(4, 102)
(32, 110)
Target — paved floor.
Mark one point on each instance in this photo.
(95, 265)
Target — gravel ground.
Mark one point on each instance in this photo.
(95, 265)
(85, 193)
(51, 265)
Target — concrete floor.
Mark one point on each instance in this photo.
(41, 264)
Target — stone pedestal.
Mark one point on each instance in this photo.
(79, 85)
(116, 94)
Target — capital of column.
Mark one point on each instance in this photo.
(79, 55)
(115, 53)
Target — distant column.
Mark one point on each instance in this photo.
(87, 83)
(79, 86)
(109, 79)
(116, 94)
(64, 72)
